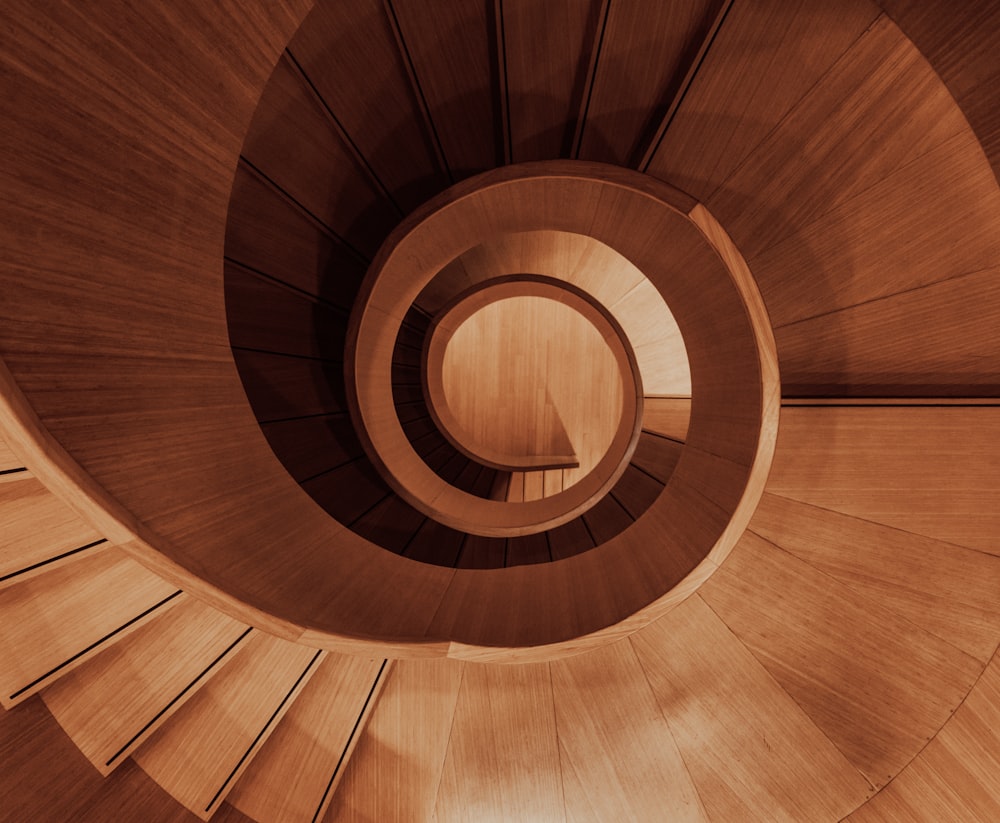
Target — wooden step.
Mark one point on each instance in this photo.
(40, 532)
(200, 754)
(56, 621)
(667, 416)
(295, 775)
(114, 702)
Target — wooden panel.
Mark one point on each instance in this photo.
(281, 387)
(636, 491)
(436, 543)
(394, 772)
(293, 777)
(956, 776)
(56, 621)
(350, 53)
(515, 490)
(265, 315)
(264, 231)
(348, 492)
(552, 482)
(881, 93)
(933, 341)
(480, 552)
(569, 539)
(750, 88)
(606, 519)
(502, 760)
(947, 590)
(617, 742)
(751, 751)
(292, 140)
(205, 748)
(112, 703)
(930, 471)
(453, 56)
(391, 524)
(528, 548)
(38, 528)
(534, 488)
(546, 73)
(643, 54)
(668, 416)
(657, 456)
(878, 686)
(313, 445)
(8, 461)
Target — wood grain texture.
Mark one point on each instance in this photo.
(657, 456)
(741, 736)
(114, 702)
(617, 743)
(452, 54)
(403, 746)
(667, 416)
(749, 89)
(548, 47)
(56, 621)
(643, 53)
(294, 776)
(878, 686)
(38, 530)
(948, 590)
(350, 53)
(502, 759)
(955, 776)
(930, 471)
(200, 754)
(280, 386)
(9, 462)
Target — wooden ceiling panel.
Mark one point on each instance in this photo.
(349, 52)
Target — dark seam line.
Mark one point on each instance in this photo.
(863, 405)
(593, 80)
(350, 739)
(286, 354)
(313, 298)
(370, 509)
(13, 471)
(650, 475)
(94, 645)
(506, 547)
(184, 691)
(332, 468)
(590, 534)
(663, 436)
(302, 417)
(413, 537)
(321, 224)
(548, 545)
(41, 563)
(509, 158)
(359, 156)
(461, 549)
(623, 507)
(270, 720)
(419, 90)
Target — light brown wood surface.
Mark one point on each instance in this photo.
(295, 775)
(56, 621)
(112, 703)
(667, 416)
(201, 753)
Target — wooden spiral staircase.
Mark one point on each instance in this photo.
(190, 628)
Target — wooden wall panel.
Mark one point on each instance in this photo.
(742, 90)
(292, 140)
(667, 416)
(313, 445)
(395, 770)
(569, 539)
(548, 48)
(948, 590)
(636, 491)
(643, 54)
(879, 107)
(657, 456)
(503, 755)
(956, 776)
(453, 53)
(281, 387)
(929, 471)
(349, 52)
(112, 703)
(617, 743)
(9, 462)
(741, 736)
(878, 686)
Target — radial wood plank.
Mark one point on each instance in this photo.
(281, 386)
(930, 471)
(294, 776)
(643, 54)
(750, 88)
(657, 456)
(452, 52)
(877, 685)
(739, 733)
(112, 703)
(403, 746)
(201, 753)
(56, 621)
(956, 776)
(948, 590)
(617, 742)
(502, 760)
(667, 416)
(313, 445)
(363, 79)
(39, 530)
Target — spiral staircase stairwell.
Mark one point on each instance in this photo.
(194, 196)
